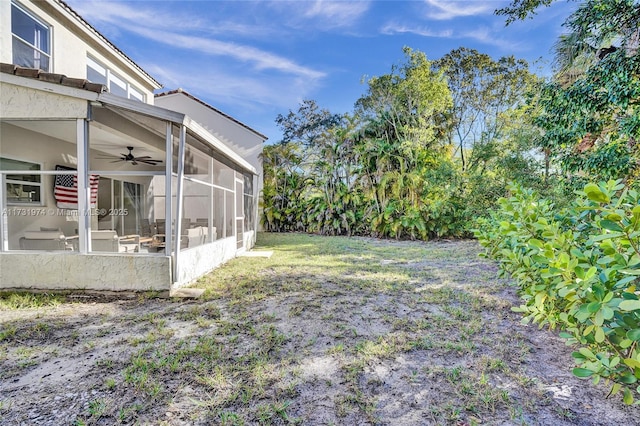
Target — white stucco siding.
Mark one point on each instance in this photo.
(197, 261)
(96, 272)
(71, 41)
(244, 142)
(23, 102)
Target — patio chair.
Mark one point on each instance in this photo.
(192, 237)
(108, 240)
(44, 240)
(146, 229)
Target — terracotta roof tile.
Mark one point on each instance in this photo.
(49, 77)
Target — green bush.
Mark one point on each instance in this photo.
(577, 270)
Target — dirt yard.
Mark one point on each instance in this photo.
(327, 331)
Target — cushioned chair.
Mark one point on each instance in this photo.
(108, 240)
(192, 237)
(44, 240)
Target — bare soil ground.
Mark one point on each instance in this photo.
(328, 331)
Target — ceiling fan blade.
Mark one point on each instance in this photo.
(150, 162)
(144, 157)
(117, 161)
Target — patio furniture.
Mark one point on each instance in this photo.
(45, 240)
(192, 237)
(109, 241)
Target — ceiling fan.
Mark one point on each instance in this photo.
(133, 159)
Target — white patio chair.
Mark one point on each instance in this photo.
(108, 240)
(44, 240)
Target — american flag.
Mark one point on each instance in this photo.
(66, 189)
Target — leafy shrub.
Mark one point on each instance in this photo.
(578, 270)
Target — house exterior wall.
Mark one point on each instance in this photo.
(68, 271)
(38, 124)
(21, 102)
(71, 41)
(199, 260)
(243, 141)
(236, 136)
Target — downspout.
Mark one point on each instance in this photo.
(179, 202)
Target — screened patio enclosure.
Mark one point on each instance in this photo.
(104, 193)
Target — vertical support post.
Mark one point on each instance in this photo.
(179, 200)
(4, 219)
(84, 189)
(167, 188)
(212, 193)
(256, 206)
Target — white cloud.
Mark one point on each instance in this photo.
(260, 59)
(444, 10)
(319, 15)
(393, 28)
(170, 28)
(484, 35)
(123, 15)
(337, 14)
(245, 91)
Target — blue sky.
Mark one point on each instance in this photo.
(257, 59)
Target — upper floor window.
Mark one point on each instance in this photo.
(98, 73)
(31, 39)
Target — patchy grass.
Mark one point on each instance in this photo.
(23, 300)
(326, 331)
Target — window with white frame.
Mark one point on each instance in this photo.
(22, 188)
(98, 73)
(31, 39)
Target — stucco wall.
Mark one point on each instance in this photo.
(71, 42)
(22, 102)
(244, 142)
(199, 260)
(69, 271)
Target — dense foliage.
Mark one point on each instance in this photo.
(578, 270)
(428, 147)
(590, 113)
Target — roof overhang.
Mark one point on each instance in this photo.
(193, 127)
(117, 102)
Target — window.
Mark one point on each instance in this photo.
(30, 38)
(22, 188)
(98, 73)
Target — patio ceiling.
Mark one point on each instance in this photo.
(105, 137)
